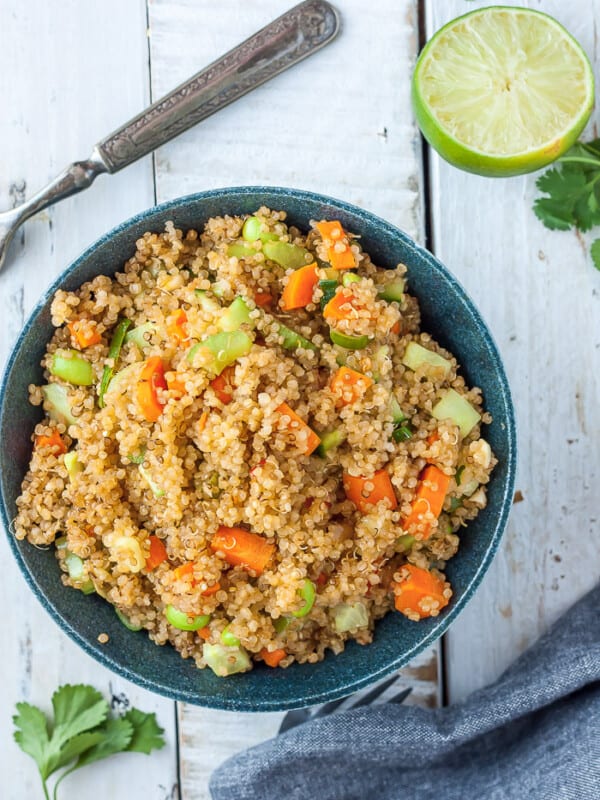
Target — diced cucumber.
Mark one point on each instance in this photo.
(239, 250)
(293, 340)
(207, 303)
(281, 623)
(220, 350)
(74, 565)
(393, 291)
(330, 273)
(71, 367)
(328, 288)
(456, 408)
(349, 278)
(330, 441)
(155, 488)
(140, 335)
(350, 617)
(126, 622)
(57, 403)
(236, 315)
(125, 377)
(397, 413)
(72, 464)
(404, 543)
(348, 342)
(226, 661)
(416, 356)
(289, 256)
(381, 358)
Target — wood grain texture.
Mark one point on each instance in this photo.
(540, 295)
(339, 123)
(69, 73)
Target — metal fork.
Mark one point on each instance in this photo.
(293, 36)
(300, 715)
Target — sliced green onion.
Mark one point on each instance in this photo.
(330, 273)
(308, 592)
(139, 334)
(402, 433)
(236, 315)
(228, 638)
(328, 288)
(71, 367)
(73, 465)
(114, 351)
(348, 342)
(458, 474)
(75, 568)
(405, 543)
(350, 617)
(293, 340)
(289, 256)
(350, 277)
(57, 403)
(397, 414)
(220, 350)
(281, 623)
(455, 503)
(129, 625)
(154, 487)
(182, 621)
(226, 661)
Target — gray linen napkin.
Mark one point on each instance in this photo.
(533, 735)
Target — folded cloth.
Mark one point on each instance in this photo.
(533, 735)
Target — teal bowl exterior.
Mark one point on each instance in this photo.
(448, 314)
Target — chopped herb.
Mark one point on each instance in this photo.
(81, 732)
(458, 475)
(113, 353)
(402, 433)
(455, 502)
(138, 458)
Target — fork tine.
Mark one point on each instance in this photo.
(368, 698)
(329, 708)
(401, 696)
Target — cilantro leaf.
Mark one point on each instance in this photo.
(147, 733)
(116, 735)
(595, 253)
(76, 709)
(32, 734)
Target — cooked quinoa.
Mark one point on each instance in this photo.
(249, 447)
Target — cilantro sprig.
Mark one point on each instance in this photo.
(81, 732)
(572, 187)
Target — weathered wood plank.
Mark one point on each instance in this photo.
(339, 123)
(69, 73)
(539, 293)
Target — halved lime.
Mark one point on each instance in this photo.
(502, 91)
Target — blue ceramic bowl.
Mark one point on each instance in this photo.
(447, 313)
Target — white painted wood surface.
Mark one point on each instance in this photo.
(540, 295)
(69, 73)
(340, 123)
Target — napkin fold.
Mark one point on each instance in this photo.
(532, 735)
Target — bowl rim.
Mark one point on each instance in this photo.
(442, 623)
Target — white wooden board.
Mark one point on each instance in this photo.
(69, 73)
(540, 295)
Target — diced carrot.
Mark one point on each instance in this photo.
(272, 657)
(395, 327)
(343, 305)
(349, 385)
(54, 440)
(309, 440)
(299, 289)
(333, 233)
(176, 385)
(433, 438)
(242, 547)
(158, 553)
(202, 421)
(263, 299)
(183, 570)
(223, 385)
(175, 323)
(152, 378)
(429, 500)
(204, 633)
(365, 492)
(211, 589)
(419, 592)
(84, 332)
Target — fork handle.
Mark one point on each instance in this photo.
(295, 35)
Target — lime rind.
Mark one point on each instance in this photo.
(565, 116)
